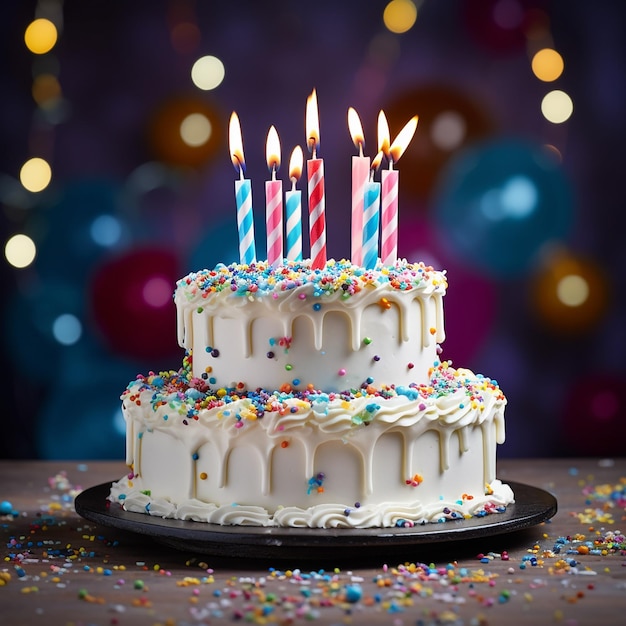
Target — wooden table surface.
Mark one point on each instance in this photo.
(59, 569)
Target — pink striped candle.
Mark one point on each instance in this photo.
(389, 217)
(317, 198)
(273, 201)
(389, 183)
(360, 176)
(243, 195)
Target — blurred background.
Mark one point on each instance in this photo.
(115, 180)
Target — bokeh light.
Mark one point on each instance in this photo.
(450, 120)
(185, 37)
(195, 129)
(67, 329)
(207, 73)
(46, 90)
(399, 15)
(593, 413)
(500, 202)
(157, 292)
(186, 131)
(139, 282)
(547, 65)
(40, 36)
(508, 14)
(35, 174)
(557, 107)
(20, 251)
(106, 230)
(569, 293)
(572, 290)
(448, 130)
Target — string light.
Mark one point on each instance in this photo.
(399, 16)
(547, 65)
(20, 251)
(36, 174)
(557, 107)
(40, 36)
(207, 73)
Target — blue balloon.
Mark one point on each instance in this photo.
(79, 229)
(500, 202)
(82, 417)
(41, 322)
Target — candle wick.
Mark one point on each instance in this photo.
(240, 162)
(390, 163)
(293, 183)
(361, 149)
(273, 172)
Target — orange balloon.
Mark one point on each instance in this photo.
(449, 120)
(169, 141)
(570, 294)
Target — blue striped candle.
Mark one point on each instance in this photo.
(243, 194)
(245, 221)
(293, 206)
(370, 224)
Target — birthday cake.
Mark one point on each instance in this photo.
(313, 398)
(312, 392)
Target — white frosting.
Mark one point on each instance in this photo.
(226, 465)
(316, 336)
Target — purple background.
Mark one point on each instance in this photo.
(564, 373)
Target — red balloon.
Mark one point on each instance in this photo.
(592, 419)
(504, 26)
(471, 301)
(132, 304)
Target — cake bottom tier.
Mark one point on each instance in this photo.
(399, 458)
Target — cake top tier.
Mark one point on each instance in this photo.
(336, 278)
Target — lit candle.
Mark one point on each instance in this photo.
(389, 182)
(273, 201)
(293, 201)
(371, 217)
(243, 194)
(360, 175)
(315, 174)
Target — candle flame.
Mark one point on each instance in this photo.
(235, 143)
(401, 142)
(383, 134)
(312, 123)
(272, 149)
(296, 163)
(377, 160)
(356, 129)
